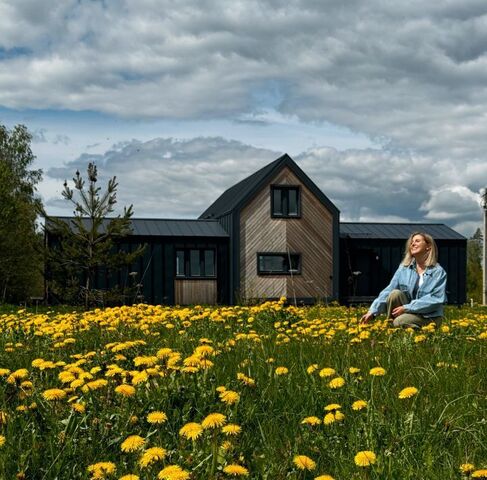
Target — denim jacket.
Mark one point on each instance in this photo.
(430, 296)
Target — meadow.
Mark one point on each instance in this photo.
(260, 392)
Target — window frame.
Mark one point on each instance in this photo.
(285, 201)
(286, 255)
(202, 263)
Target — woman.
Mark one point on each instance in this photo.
(416, 294)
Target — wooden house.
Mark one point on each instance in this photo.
(273, 234)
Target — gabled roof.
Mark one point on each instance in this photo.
(401, 231)
(149, 227)
(237, 196)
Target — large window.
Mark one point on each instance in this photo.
(285, 201)
(278, 263)
(195, 263)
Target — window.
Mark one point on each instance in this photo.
(279, 263)
(195, 263)
(285, 201)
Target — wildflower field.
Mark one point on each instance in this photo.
(261, 392)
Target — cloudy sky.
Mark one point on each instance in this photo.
(383, 104)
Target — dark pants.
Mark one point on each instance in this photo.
(398, 298)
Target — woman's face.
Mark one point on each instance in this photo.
(418, 247)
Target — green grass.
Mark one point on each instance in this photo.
(424, 437)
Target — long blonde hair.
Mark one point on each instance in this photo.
(432, 257)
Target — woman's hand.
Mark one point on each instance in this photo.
(398, 311)
(367, 317)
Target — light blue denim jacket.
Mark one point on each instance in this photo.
(430, 297)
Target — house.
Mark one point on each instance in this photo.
(273, 234)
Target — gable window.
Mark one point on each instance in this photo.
(285, 201)
(195, 263)
(278, 263)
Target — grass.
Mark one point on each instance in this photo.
(179, 360)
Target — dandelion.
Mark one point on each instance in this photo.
(152, 455)
(327, 372)
(408, 392)
(125, 390)
(173, 472)
(337, 382)
(304, 463)
(359, 405)
(229, 397)
(231, 429)
(54, 394)
(480, 473)
(214, 420)
(101, 470)
(157, 417)
(132, 443)
(191, 431)
(365, 458)
(377, 371)
(236, 470)
(311, 421)
(467, 468)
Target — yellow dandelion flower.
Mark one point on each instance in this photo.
(311, 421)
(132, 443)
(231, 429)
(281, 371)
(152, 455)
(2, 440)
(480, 473)
(359, 405)
(236, 470)
(79, 407)
(125, 390)
(337, 382)
(377, 371)
(408, 392)
(173, 472)
(333, 406)
(467, 467)
(102, 469)
(304, 463)
(327, 372)
(54, 394)
(229, 397)
(365, 458)
(214, 420)
(156, 417)
(191, 430)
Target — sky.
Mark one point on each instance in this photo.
(383, 104)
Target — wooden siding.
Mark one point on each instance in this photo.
(311, 236)
(192, 292)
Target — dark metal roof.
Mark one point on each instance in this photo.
(157, 227)
(241, 192)
(401, 231)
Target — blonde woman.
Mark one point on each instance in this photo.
(417, 291)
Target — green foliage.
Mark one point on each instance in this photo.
(474, 266)
(20, 259)
(86, 244)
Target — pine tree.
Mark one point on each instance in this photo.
(89, 241)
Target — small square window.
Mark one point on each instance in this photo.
(278, 263)
(285, 201)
